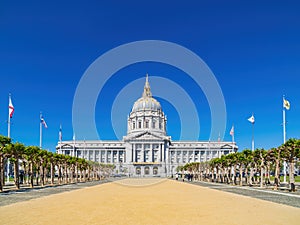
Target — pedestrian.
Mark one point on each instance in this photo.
(176, 176)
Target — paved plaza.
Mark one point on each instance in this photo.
(148, 201)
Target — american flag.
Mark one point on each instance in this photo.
(43, 122)
(60, 134)
(11, 108)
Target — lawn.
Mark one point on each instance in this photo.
(297, 178)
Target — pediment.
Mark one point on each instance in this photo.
(146, 135)
(226, 146)
(67, 146)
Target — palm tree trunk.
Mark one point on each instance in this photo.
(16, 174)
(76, 172)
(1, 173)
(241, 176)
(261, 176)
(59, 174)
(251, 176)
(291, 176)
(234, 175)
(42, 173)
(4, 161)
(268, 174)
(52, 173)
(31, 175)
(37, 174)
(276, 179)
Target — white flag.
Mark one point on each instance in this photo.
(286, 104)
(232, 131)
(251, 119)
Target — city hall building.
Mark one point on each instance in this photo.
(146, 150)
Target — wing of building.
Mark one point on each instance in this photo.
(146, 150)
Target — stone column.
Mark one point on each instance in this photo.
(160, 153)
(152, 152)
(134, 153)
(143, 153)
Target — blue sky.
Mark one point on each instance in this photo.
(252, 47)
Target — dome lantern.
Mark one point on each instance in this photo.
(146, 102)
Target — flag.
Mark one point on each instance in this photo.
(11, 108)
(232, 131)
(251, 119)
(286, 104)
(43, 122)
(60, 134)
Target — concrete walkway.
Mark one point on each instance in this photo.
(144, 201)
(281, 196)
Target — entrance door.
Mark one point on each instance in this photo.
(147, 170)
(138, 170)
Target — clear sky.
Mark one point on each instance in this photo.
(252, 48)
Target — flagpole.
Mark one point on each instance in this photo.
(8, 122)
(8, 135)
(284, 140)
(252, 137)
(60, 138)
(74, 142)
(41, 131)
(233, 139)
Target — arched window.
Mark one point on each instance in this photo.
(138, 170)
(153, 123)
(147, 123)
(133, 125)
(155, 170)
(140, 124)
(147, 170)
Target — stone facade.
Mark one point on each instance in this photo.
(146, 150)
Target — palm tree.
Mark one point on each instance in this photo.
(290, 151)
(42, 155)
(58, 159)
(3, 142)
(248, 155)
(259, 157)
(215, 165)
(269, 161)
(30, 155)
(16, 152)
(51, 161)
(224, 168)
(275, 156)
(232, 163)
(243, 163)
